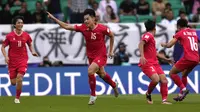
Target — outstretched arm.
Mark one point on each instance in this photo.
(169, 44)
(62, 24)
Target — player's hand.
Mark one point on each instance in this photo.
(35, 54)
(143, 60)
(111, 55)
(170, 61)
(163, 44)
(7, 60)
(50, 15)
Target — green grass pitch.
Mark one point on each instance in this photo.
(124, 103)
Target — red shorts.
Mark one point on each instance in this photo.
(183, 64)
(150, 69)
(14, 71)
(100, 61)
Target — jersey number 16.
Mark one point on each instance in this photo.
(193, 44)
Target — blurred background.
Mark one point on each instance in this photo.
(60, 49)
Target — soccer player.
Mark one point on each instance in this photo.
(94, 35)
(17, 57)
(149, 63)
(188, 39)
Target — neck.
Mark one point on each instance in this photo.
(18, 31)
(152, 32)
(92, 27)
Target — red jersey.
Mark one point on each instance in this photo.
(150, 52)
(95, 39)
(17, 52)
(188, 39)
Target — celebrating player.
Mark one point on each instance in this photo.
(149, 63)
(94, 34)
(188, 39)
(17, 57)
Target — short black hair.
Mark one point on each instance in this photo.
(90, 12)
(14, 20)
(150, 25)
(182, 23)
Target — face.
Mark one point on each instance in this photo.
(38, 6)
(170, 15)
(89, 20)
(19, 24)
(108, 10)
(24, 5)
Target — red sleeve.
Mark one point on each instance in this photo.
(146, 38)
(177, 35)
(78, 27)
(29, 41)
(6, 42)
(106, 31)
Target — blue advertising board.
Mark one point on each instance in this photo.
(74, 81)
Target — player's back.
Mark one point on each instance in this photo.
(188, 39)
(150, 48)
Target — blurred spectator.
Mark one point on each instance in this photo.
(103, 4)
(121, 57)
(196, 17)
(110, 16)
(182, 15)
(95, 8)
(25, 13)
(168, 6)
(58, 64)
(91, 2)
(158, 7)
(188, 4)
(163, 53)
(169, 18)
(77, 8)
(127, 7)
(6, 17)
(39, 16)
(53, 6)
(46, 62)
(143, 7)
(195, 6)
(15, 2)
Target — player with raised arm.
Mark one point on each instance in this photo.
(149, 63)
(189, 40)
(94, 35)
(17, 57)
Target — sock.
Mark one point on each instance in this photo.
(151, 87)
(177, 81)
(92, 83)
(184, 80)
(18, 93)
(164, 91)
(108, 80)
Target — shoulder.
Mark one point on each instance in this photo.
(102, 27)
(10, 34)
(147, 35)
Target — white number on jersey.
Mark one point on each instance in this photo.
(193, 44)
(93, 36)
(19, 43)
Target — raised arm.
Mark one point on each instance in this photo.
(62, 24)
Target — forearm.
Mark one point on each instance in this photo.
(111, 43)
(3, 51)
(161, 57)
(141, 49)
(31, 48)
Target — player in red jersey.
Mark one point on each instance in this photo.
(17, 57)
(149, 63)
(94, 35)
(188, 39)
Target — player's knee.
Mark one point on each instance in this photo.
(90, 71)
(19, 79)
(164, 80)
(13, 82)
